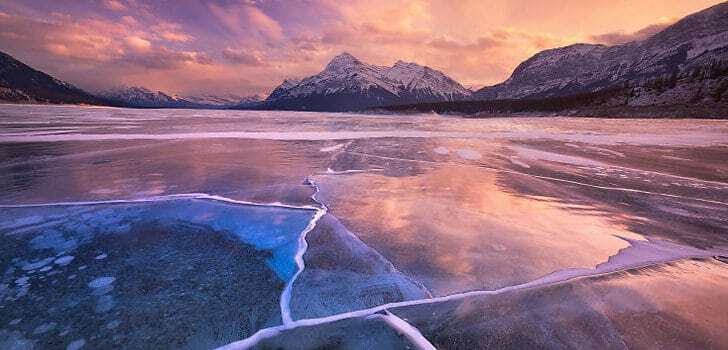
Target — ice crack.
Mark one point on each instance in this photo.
(302, 247)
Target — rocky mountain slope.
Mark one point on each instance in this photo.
(20, 83)
(140, 97)
(685, 58)
(224, 100)
(349, 84)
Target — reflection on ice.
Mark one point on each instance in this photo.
(455, 229)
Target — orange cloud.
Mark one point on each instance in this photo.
(246, 46)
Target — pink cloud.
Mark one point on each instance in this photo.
(178, 37)
(246, 18)
(137, 43)
(242, 56)
(130, 21)
(164, 59)
(115, 5)
(170, 32)
(253, 45)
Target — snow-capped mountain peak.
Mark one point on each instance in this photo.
(364, 85)
(342, 62)
(137, 96)
(223, 100)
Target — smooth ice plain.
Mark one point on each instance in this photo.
(189, 229)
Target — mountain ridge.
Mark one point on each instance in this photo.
(692, 42)
(20, 83)
(346, 83)
(141, 97)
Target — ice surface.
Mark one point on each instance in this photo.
(521, 215)
(411, 333)
(469, 154)
(76, 344)
(441, 150)
(333, 148)
(342, 274)
(665, 306)
(101, 282)
(64, 260)
(533, 154)
(149, 247)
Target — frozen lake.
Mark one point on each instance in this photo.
(195, 229)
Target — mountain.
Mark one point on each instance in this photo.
(140, 97)
(684, 62)
(349, 84)
(225, 100)
(20, 83)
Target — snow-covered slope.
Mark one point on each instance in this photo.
(349, 84)
(223, 100)
(136, 96)
(141, 97)
(696, 41)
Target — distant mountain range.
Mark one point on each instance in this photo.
(225, 100)
(350, 84)
(685, 64)
(140, 97)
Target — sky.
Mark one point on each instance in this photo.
(247, 47)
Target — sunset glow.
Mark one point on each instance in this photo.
(249, 47)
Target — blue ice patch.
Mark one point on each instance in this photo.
(63, 228)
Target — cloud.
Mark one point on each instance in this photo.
(164, 59)
(246, 18)
(130, 21)
(245, 57)
(253, 45)
(115, 5)
(137, 43)
(169, 31)
(58, 49)
(96, 41)
(173, 36)
(622, 37)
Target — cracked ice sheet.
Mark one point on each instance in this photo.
(213, 268)
(459, 224)
(459, 230)
(256, 170)
(639, 256)
(673, 305)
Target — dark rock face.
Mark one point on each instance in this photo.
(20, 83)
